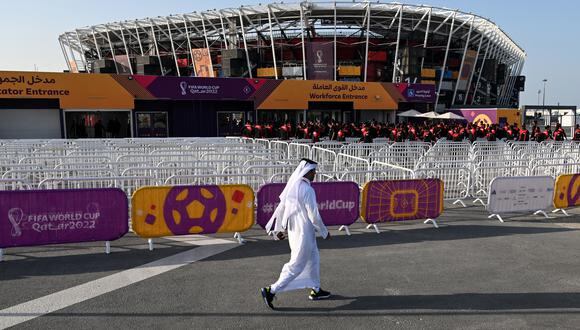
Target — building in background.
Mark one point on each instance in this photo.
(202, 74)
(468, 58)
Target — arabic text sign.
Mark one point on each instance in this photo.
(567, 191)
(399, 200)
(185, 210)
(520, 194)
(75, 91)
(338, 202)
(40, 217)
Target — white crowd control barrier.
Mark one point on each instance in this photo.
(520, 194)
(456, 180)
(299, 150)
(9, 184)
(252, 180)
(361, 150)
(349, 163)
(466, 169)
(486, 171)
(324, 157)
(391, 172)
(281, 146)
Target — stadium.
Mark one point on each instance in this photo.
(202, 74)
(343, 41)
(152, 181)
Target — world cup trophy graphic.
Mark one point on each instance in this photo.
(319, 54)
(15, 216)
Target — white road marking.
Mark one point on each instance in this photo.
(44, 305)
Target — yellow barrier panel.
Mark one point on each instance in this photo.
(566, 193)
(349, 70)
(428, 73)
(184, 210)
(269, 72)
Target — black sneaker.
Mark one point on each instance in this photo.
(268, 297)
(321, 294)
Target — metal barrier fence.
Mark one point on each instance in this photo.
(466, 169)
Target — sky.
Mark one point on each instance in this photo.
(547, 31)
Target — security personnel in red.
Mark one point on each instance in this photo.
(515, 130)
(559, 133)
(284, 134)
(248, 130)
(577, 133)
(547, 133)
(524, 134)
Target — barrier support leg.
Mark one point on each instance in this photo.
(372, 225)
(150, 241)
(496, 216)
(479, 200)
(431, 221)
(561, 210)
(107, 247)
(1, 255)
(542, 213)
(345, 228)
(239, 237)
(460, 202)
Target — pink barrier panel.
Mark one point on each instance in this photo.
(40, 217)
(338, 202)
(399, 200)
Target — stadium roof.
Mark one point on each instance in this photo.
(285, 19)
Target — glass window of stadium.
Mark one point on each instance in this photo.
(106, 124)
(152, 124)
(230, 123)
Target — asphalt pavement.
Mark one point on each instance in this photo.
(471, 273)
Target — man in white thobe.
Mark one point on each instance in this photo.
(298, 214)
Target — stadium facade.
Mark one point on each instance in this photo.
(469, 58)
(198, 74)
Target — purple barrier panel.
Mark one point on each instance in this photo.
(338, 202)
(400, 200)
(40, 217)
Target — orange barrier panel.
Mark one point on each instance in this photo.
(184, 210)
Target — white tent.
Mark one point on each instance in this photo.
(450, 115)
(432, 115)
(409, 113)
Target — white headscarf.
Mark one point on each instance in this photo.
(289, 204)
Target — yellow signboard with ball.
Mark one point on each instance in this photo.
(567, 191)
(185, 210)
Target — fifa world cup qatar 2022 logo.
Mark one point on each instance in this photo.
(319, 56)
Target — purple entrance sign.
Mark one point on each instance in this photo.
(338, 202)
(419, 93)
(40, 217)
(191, 88)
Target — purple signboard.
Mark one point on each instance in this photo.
(192, 88)
(487, 116)
(338, 202)
(400, 200)
(320, 61)
(419, 93)
(40, 217)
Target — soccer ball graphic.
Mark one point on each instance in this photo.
(194, 210)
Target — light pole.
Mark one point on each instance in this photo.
(544, 95)
(544, 99)
(539, 92)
